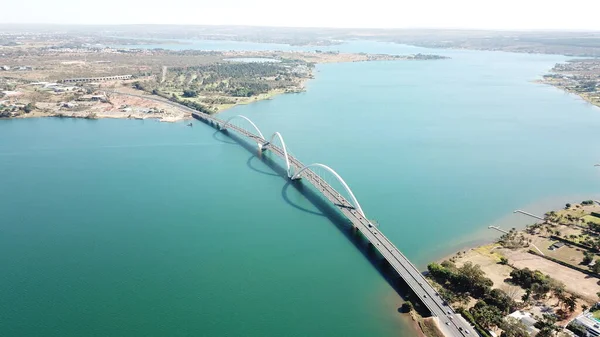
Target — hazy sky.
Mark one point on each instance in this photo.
(485, 14)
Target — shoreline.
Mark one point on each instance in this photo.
(535, 247)
(581, 96)
(160, 117)
(30, 98)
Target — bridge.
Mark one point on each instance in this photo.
(449, 322)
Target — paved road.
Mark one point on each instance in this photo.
(451, 323)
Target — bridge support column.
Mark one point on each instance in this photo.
(354, 230)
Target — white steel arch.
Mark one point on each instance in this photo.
(224, 126)
(285, 153)
(339, 178)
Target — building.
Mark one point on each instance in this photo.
(592, 326)
(64, 89)
(526, 319)
(93, 98)
(96, 79)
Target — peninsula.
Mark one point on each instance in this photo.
(70, 79)
(579, 76)
(537, 281)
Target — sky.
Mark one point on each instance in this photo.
(467, 14)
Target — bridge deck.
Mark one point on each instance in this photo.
(451, 323)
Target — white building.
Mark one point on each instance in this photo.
(527, 320)
(592, 326)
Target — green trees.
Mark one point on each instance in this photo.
(138, 86)
(500, 300)
(596, 267)
(190, 93)
(513, 328)
(578, 329)
(236, 79)
(407, 306)
(513, 239)
(526, 277)
(536, 284)
(467, 279)
(546, 325)
(488, 316)
(29, 108)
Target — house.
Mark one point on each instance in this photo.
(556, 245)
(93, 98)
(64, 89)
(69, 105)
(6, 68)
(527, 320)
(592, 326)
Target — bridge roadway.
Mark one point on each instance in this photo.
(450, 323)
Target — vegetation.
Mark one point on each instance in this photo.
(513, 328)
(513, 239)
(235, 79)
(468, 279)
(578, 329)
(29, 108)
(588, 257)
(190, 93)
(207, 86)
(191, 104)
(469, 317)
(407, 306)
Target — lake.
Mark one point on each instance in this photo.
(140, 228)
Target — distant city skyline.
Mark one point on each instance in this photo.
(458, 14)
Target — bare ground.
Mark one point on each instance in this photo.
(576, 282)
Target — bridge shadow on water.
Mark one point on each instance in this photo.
(252, 166)
(327, 209)
(223, 138)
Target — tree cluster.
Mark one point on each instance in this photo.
(468, 279)
(513, 239)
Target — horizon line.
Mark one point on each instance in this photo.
(311, 27)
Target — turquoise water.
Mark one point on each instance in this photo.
(141, 228)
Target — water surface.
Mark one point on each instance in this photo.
(140, 228)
